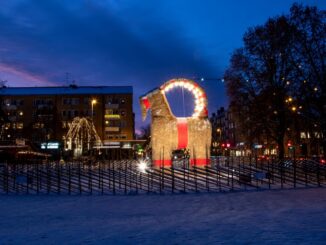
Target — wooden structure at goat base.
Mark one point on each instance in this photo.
(169, 132)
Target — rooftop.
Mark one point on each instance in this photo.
(72, 89)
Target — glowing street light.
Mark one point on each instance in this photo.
(93, 102)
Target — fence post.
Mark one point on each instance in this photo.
(125, 173)
(184, 177)
(148, 182)
(163, 164)
(37, 179)
(79, 179)
(152, 181)
(113, 178)
(195, 170)
(69, 178)
(119, 176)
(48, 179)
(206, 168)
(269, 174)
(294, 170)
(163, 178)
(89, 177)
(219, 178)
(227, 161)
(140, 180)
(281, 168)
(58, 179)
(6, 174)
(207, 183)
(99, 177)
(232, 175)
(172, 172)
(102, 180)
(305, 177)
(318, 175)
(27, 176)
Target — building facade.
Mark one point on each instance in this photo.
(223, 132)
(42, 114)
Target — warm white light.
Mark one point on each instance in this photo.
(142, 167)
(199, 99)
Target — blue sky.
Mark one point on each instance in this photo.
(140, 43)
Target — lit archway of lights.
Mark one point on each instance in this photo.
(200, 98)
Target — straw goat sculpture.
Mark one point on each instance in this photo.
(169, 132)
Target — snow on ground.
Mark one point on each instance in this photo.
(268, 217)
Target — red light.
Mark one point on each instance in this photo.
(223, 145)
(228, 145)
(322, 161)
(289, 144)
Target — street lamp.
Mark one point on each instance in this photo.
(219, 131)
(93, 102)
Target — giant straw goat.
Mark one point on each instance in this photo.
(169, 132)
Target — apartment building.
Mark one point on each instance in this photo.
(43, 114)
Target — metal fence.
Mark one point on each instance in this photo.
(125, 177)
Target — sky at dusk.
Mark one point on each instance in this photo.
(140, 43)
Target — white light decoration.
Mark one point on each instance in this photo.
(197, 92)
(81, 135)
(142, 167)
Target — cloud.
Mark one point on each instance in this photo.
(94, 44)
(8, 73)
(104, 44)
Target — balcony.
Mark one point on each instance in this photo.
(11, 107)
(12, 118)
(45, 107)
(112, 129)
(112, 116)
(111, 106)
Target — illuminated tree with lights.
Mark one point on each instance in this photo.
(267, 78)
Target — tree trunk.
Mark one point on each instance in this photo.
(280, 144)
(323, 142)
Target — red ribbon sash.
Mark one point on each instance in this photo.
(182, 127)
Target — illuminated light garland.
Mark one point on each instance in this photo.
(198, 93)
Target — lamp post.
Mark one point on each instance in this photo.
(218, 130)
(93, 102)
